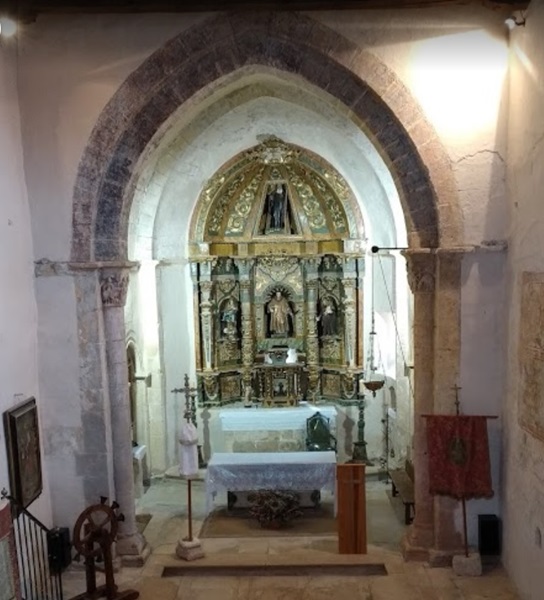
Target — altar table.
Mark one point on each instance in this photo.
(243, 471)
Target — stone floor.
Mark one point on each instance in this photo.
(166, 501)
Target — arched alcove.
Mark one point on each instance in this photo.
(177, 80)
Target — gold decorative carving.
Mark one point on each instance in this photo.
(230, 387)
(279, 248)
(336, 212)
(349, 385)
(278, 269)
(331, 385)
(331, 350)
(274, 151)
(210, 387)
(232, 202)
(311, 205)
(238, 218)
(220, 206)
(229, 351)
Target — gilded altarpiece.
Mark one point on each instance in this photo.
(277, 265)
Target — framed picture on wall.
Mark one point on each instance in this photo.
(23, 451)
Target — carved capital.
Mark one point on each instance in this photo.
(113, 287)
(245, 285)
(420, 267)
(205, 290)
(245, 266)
(311, 284)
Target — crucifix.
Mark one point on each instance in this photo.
(189, 548)
(189, 413)
(457, 402)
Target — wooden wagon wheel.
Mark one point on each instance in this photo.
(95, 526)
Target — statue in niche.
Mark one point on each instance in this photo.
(229, 265)
(281, 315)
(229, 319)
(328, 317)
(276, 201)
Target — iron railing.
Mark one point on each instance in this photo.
(38, 555)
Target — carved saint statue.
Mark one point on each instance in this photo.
(229, 319)
(280, 313)
(328, 317)
(276, 206)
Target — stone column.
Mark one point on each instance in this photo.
(113, 286)
(419, 537)
(447, 540)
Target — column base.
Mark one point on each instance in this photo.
(414, 548)
(417, 543)
(413, 553)
(136, 560)
(133, 550)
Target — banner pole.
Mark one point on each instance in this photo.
(190, 511)
(465, 537)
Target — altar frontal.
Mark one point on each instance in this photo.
(243, 471)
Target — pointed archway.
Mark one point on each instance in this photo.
(381, 105)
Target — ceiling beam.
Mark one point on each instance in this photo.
(36, 7)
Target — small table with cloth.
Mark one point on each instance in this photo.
(242, 471)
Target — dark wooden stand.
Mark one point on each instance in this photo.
(94, 533)
(350, 479)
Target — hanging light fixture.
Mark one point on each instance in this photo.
(372, 385)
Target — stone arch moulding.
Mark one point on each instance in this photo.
(287, 41)
(295, 44)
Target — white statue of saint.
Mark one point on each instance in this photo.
(188, 451)
(292, 356)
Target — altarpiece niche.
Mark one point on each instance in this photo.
(277, 266)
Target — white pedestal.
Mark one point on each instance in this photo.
(189, 550)
(467, 566)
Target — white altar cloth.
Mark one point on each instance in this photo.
(243, 471)
(272, 419)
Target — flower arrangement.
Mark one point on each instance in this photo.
(274, 508)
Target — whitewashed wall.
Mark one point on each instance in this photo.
(18, 315)
(69, 67)
(523, 468)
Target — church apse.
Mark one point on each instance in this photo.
(277, 263)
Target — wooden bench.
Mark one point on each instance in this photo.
(402, 481)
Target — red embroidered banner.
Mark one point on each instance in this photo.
(458, 456)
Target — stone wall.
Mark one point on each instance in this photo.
(18, 315)
(66, 78)
(523, 510)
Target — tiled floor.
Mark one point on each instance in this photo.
(404, 581)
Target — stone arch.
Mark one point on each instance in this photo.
(286, 41)
(379, 103)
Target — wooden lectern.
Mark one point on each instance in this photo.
(350, 485)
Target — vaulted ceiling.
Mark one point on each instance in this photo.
(32, 8)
